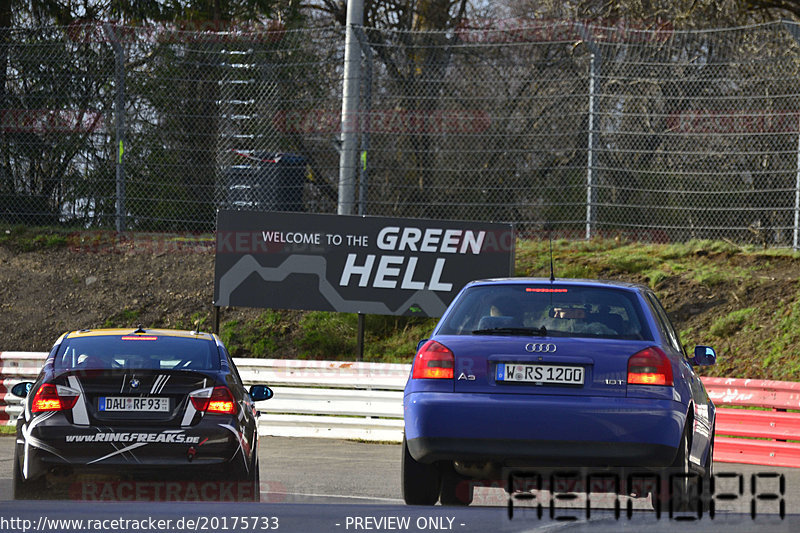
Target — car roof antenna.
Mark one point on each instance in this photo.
(139, 329)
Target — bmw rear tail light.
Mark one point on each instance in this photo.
(433, 361)
(651, 366)
(51, 397)
(216, 400)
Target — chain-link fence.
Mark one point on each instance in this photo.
(654, 134)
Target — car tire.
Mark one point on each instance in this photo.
(27, 490)
(707, 497)
(255, 480)
(19, 484)
(420, 481)
(246, 481)
(455, 490)
(680, 489)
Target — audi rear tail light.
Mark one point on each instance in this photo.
(216, 400)
(51, 397)
(433, 361)
(651, 366)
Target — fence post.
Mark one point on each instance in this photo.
(595, 59)
(590, 153)
(119, 122)
(365, 120)
(797, 196)
(363, 175)
(794, 31)
(348, 157)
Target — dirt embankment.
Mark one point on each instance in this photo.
(752, 317)
(45, 293)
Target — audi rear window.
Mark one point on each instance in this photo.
(563, 311)
(132, 352)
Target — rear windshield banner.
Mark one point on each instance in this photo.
(353, 264)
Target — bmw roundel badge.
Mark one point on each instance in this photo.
(134, 383)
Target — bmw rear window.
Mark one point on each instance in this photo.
(564, 311)
(134, 352)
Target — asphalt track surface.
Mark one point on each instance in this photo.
(310, 485)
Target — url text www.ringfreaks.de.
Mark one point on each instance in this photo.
(198, 523)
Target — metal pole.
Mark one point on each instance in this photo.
(119, 122)
(794, 31)
(363, 175)
(365, 121)
(595, 60)
(348, 157)
(797, 197)
(590, 151)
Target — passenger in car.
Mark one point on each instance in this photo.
(501, 313)
(86, 362)
(576, 320)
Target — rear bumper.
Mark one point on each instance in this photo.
(215, 448)
(541, 430)
(544, 453)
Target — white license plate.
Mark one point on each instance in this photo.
(556, 374)
(112, 403)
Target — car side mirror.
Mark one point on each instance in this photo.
(22, 389)
(260, 392)
(704, 356)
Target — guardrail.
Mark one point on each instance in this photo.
(349, 400)
(755, 436)
(16, 367)
(334, 399)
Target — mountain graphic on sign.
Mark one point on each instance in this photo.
(423, 302)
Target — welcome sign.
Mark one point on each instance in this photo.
(353, 264)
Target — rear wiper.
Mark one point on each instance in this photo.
(538, 332)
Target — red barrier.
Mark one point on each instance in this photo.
(754, 392)
(741, 427)
(756, 452)
(758, 424)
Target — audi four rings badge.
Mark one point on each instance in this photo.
(540, 347)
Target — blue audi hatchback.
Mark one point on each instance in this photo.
(533, 374)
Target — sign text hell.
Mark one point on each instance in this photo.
(387, 271)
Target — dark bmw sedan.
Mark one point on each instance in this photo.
(530, 374)
(138, 405)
